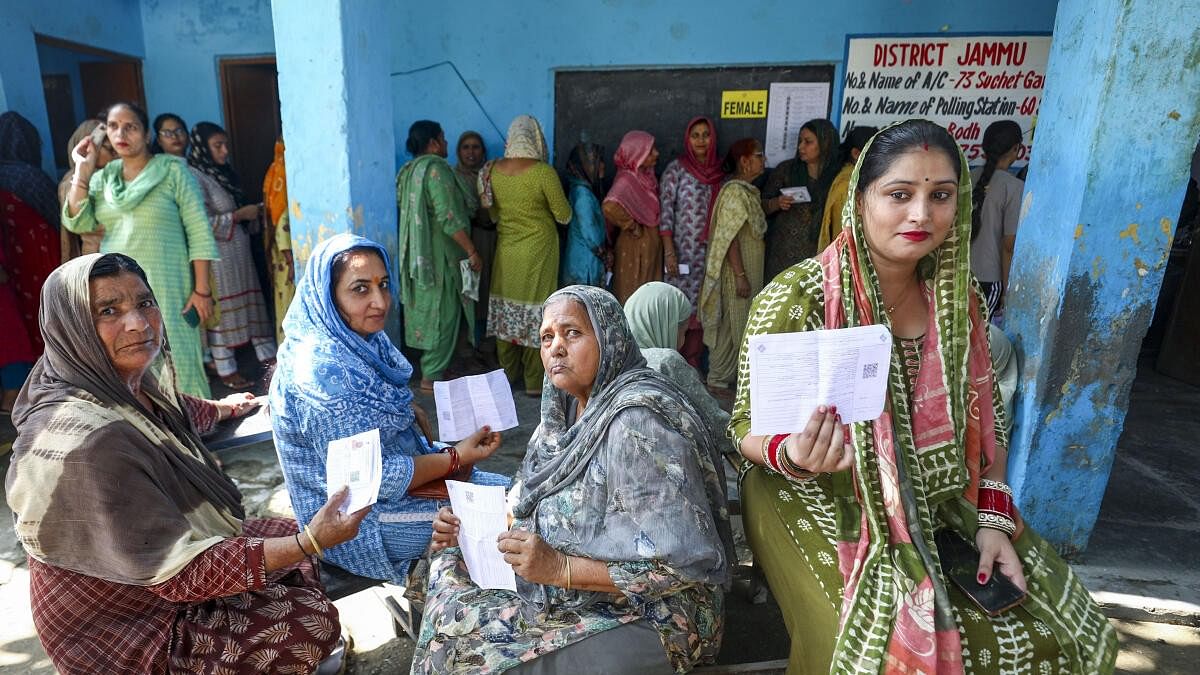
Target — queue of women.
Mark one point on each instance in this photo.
(142, 559)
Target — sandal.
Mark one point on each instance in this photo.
(236, 381)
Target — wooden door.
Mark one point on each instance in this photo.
(105, 83)
(250, 91)
(60, 107)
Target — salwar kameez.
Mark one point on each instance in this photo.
(432, 209)
(527, 206)
(737, 215)
(158, 219)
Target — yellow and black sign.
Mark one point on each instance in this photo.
(743, 103)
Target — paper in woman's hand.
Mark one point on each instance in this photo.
(468, 403)
(470, 280)
(356, 461)
(793, 373)
(481, 511)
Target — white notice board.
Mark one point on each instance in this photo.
(962, 82)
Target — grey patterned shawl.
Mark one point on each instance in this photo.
(678, 516)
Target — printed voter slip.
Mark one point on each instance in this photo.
(791, 374)
(356, 461)
(798, 194)
(684, 269)
(481, 511)
(468, 403)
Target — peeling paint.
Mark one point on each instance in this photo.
(1130, 232)
(1142, 270)
(1165, 224)
(296, 214)
(1079, 230)
(1174, 114)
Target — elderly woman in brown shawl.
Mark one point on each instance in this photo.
(140, 559)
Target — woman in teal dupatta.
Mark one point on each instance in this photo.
(849, 551)
(435, 236)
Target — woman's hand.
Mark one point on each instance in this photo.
(445, 529)
(478, 446)
(332, 527)
(202, 305)
(820, 448)
(634, 229)
(995, 548)
(785, 202)
(85, 154)
(247, 212)
(236, 405)
(741, 285)
(475, 261)
(532, 558)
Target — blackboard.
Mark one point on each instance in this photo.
(600, 106)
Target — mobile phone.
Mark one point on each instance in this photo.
(98, 135)
(960, 564)
(192, 317)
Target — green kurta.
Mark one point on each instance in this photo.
(432, 209)
(158, 219)
(526, 272)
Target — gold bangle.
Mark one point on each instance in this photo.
(316, 545)
(763, 450)
(568, 571)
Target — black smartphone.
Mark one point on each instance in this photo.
(960, 564)
(192, 317)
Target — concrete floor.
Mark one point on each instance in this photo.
(1141, 563)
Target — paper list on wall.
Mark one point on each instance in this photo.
(793, 373)
(356, 461)
(790, 105)
(481, 511)
(468, 403)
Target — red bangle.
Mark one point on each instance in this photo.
(454, 461)
(996, 501)
(773, 452)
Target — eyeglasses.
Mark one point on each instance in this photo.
(173, 133)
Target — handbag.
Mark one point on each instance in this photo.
(437, 489)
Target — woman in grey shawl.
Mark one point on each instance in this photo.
(620, 532)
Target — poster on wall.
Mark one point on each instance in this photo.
(791, 105)
(962, 82)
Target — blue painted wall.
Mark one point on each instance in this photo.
(184, 40)
(113, 25)
(508, 56)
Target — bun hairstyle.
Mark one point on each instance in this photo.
(856, 139)
(998, 138)
(134, 108)
(741, 148)
(420, 134)
(893, 142)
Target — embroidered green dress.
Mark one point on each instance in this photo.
(158, 219)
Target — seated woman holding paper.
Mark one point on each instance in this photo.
(141, 559)
(852, 524)
(339, 375)
(620, 540)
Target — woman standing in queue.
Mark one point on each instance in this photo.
(435, 236)
(733, 273)
(74, 245)
(796, 220)
(243, 310)
(586, 250)
(525, 197)
(472, 153)
(995, 210)
(631, 207)
(153, 211)
(170, 135)
(687, 192)
(831, 220)
(852, 523)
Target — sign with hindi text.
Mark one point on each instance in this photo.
(962, 82)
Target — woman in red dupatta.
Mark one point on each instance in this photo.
(842, 518)
(631, 207)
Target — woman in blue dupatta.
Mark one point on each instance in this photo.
(339, 375)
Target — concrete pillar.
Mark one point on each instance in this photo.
(334, 57)
(1114, 137)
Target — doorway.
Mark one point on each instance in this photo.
(78, 82)
(250, 93)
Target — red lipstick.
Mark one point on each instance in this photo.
(915, 235)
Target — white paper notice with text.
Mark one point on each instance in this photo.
(793, 373)
(789, 106)
(356, 461)
(468, 403)
(482, 514)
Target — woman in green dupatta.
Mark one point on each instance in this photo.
(796, 220)
(435, 235)
(842, 519)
